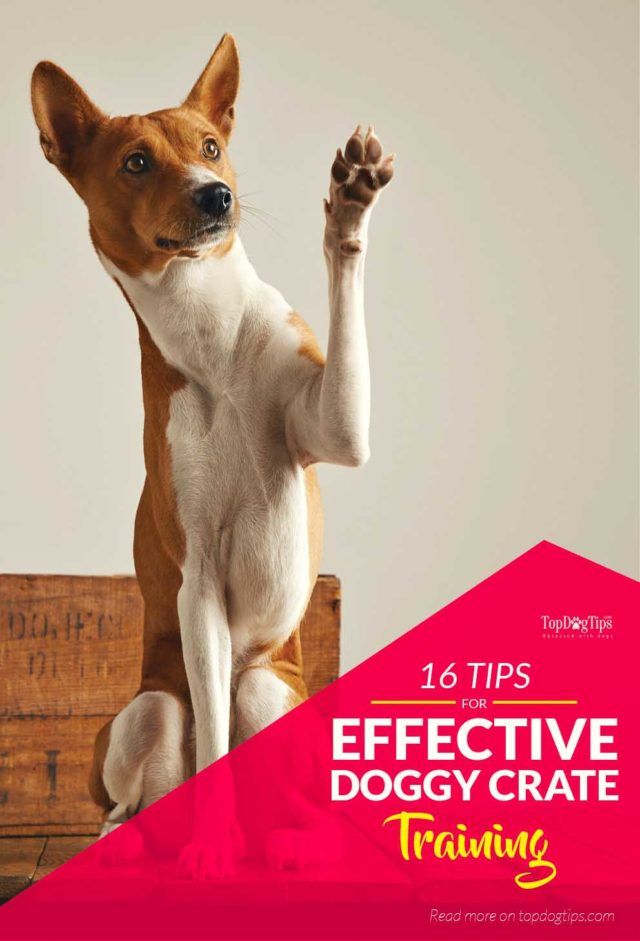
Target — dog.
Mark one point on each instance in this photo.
(239, 403)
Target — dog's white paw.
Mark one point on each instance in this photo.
(200, 861)
(125, 848)
(296, 848)
(357, 177)
(285, 849)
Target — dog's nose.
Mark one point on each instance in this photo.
(215, 199)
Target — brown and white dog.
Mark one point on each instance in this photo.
(239, 405)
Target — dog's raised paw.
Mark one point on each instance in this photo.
(358, 174)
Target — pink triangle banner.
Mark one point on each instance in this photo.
(477, 778)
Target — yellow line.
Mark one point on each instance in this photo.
(534, 702)
(494, 702)
(413, 702)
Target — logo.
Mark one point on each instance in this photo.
(577, 627)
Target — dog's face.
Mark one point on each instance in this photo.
(158, 185)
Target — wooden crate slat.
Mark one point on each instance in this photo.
(44, 768)
(45, 829)
(69, 645)
(320, 633)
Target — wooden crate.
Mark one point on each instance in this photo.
(69, 660)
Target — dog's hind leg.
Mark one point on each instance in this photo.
(146, 755)
(300, 829)
(261, 698)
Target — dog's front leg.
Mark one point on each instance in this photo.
(328, 420)
(206, 648)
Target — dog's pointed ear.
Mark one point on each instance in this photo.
(215, 92)
(65, 115)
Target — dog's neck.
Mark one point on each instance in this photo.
(194, 308)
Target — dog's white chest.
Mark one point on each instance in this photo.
(241, 499)
(242, 505)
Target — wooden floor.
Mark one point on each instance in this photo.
(25, 859)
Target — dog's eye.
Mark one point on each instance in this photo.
(136, 163)
(210, 149)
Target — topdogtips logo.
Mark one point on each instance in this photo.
(577, 627)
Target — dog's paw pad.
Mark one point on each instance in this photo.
(358, 174)
(351, 247)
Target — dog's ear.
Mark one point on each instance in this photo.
(65, 116)
(215, 92)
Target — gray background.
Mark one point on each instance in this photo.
(501, 283)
